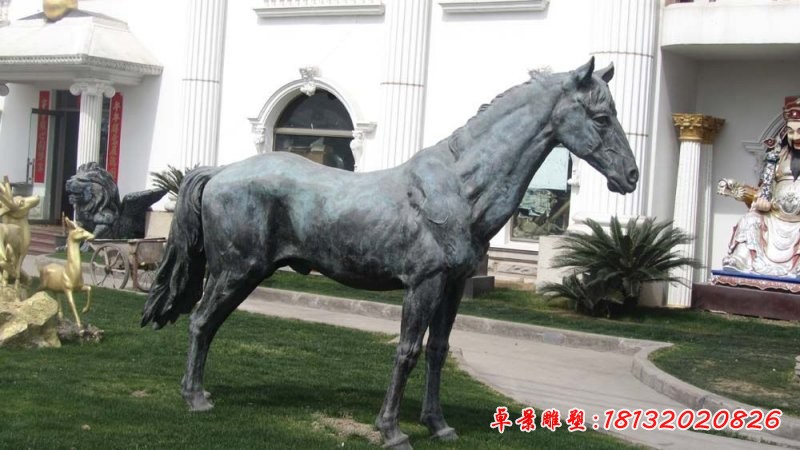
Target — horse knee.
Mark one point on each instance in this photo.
(408, 354)
(437, 349)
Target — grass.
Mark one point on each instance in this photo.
(747, 359)
(275, 383)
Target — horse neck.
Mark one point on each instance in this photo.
(500, 150)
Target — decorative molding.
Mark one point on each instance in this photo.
(697, 127)
(83, 60)
(490, 6)
(319, 8)
(756, 145)
(262, 126)
(361, 131)
(309, 75)
(759, 283)
(92, 87)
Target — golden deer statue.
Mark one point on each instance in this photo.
(68, 278)
(10, 238)
(15, 231)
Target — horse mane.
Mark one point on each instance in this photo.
(488, 112)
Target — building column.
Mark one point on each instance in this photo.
(201, 84)
(91, 92)
(403, 86)
(623, 33)
(692, 197)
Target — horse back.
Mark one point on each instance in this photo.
(355, 227)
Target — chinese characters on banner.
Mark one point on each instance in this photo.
(114, 128)
(42, 129)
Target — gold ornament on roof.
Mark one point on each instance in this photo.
(56, 9)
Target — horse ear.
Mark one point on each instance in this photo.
(583, 74)
(606, 74)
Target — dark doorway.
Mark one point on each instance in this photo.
(65, 158)
(65, 152)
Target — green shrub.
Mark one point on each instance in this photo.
(609, 268)
(169, 179)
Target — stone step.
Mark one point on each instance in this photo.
(43, 239)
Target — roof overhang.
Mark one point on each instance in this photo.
(82, 45)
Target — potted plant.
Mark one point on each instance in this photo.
(609, 268)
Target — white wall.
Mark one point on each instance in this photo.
(475, 57)
(748, 95)
(262, 55)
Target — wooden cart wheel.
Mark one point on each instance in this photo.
(110, 267)
(145, 276)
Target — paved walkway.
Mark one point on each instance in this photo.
(564, 374)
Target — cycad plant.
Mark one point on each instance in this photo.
(609, 268)
(169, 179)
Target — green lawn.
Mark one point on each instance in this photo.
(276, 384)
(750, 360)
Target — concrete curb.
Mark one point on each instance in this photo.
(641, 368)
(536, 333)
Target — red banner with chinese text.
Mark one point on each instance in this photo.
(42, 129)
(114, 128)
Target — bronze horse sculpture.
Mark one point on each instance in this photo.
(421, 226)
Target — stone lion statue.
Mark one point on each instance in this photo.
(94, 194)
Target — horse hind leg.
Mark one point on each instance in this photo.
(224, 292)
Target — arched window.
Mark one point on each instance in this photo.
(317, 127)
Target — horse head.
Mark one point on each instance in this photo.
(585, 122)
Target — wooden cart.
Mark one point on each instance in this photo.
(115, 261)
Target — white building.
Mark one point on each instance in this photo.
(215, 81)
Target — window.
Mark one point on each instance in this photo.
(544, 210)
(317, 127)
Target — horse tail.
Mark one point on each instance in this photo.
(178, 284)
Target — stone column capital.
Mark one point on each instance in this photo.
(697, 127)
(92, 87)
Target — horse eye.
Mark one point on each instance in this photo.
(602, 120)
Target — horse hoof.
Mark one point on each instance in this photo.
(199, 403)
(446, 434)
(399, 443)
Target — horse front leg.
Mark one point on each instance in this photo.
(435, 354)
(223, 294)
(418, 304)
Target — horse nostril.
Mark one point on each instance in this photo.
(633, 175)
